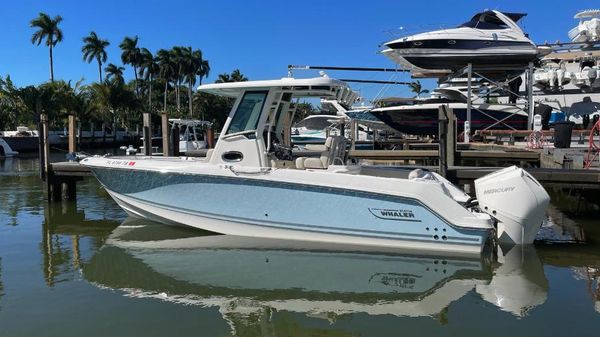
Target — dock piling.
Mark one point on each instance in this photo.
(164, 119)
(147, 134)
(72, 135)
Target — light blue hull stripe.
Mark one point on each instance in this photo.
(282, 204)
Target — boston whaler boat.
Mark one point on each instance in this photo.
(249, 186)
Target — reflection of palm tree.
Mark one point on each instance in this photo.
(95, 48)
(417, 89)
(48, 29)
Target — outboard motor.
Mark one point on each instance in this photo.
(516, 200)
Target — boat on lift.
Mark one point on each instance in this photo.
(490, 39)
(552, 76)
(248, 186)
(587, 31)
(420, 116)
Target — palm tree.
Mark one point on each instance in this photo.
(179, 56)
(47, 29)
(114, 73)
(148, 70)
(131, 55)
(95, 48)
(417, 89)
(235, 76)
(166, 71)
(204, 70)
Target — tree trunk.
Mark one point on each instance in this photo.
(150, 94)
(137, 92)
(51, 66)
(190, 98)
(100, 70)
(177, 94)
(165, 97)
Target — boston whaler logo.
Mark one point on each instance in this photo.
(394, 214)
(499, 190)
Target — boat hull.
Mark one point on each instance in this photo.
(424, 121)
(269, 209)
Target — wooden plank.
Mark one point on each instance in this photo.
(394, 154)
(516, 155)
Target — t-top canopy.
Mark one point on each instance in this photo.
(323, 87)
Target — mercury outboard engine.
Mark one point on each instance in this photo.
(516, 200)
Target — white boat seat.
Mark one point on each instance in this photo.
(335, 152)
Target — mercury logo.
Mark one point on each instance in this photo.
(499, 190)
(394, 214)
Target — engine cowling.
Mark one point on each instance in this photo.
(516, 200)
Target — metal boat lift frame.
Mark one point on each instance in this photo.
(496, 85)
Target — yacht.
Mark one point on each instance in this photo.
(246, 279)
(248, 186)
(420, 116)
(490, 38)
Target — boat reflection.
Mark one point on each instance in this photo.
(248, 279)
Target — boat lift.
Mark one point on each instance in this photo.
(496, 85)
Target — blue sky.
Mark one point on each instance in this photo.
(259, 37)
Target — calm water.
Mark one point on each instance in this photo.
(85, 269)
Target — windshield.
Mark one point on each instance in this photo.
(248, 112)
(485, 21)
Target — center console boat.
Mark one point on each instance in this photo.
(249, 185)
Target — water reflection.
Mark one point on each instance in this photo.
(249, 279)
(1, 285)
(63, 228)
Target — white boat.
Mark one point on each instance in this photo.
(316, 129)
(6, 150)
(244, 187)
(192, 133)
(246, 279)
(490, 38)
(587, 31)
(551, 77)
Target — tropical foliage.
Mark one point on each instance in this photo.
(417, 89)
(162, 81)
